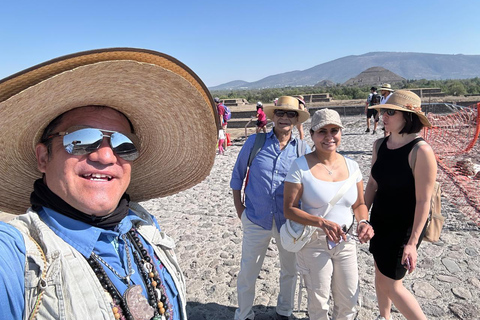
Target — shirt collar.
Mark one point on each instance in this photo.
(82, 236)
(271, 135)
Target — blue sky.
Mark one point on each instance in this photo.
(227, 40)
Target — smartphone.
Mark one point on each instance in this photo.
(407, 264)
(331, 244)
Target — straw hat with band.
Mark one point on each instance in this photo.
(407, 101)
(148, 87)
(287, 103)
(386, 87)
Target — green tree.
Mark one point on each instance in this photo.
(456, 88)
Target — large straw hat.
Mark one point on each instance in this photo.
(407, 101)
(287, 103)
(170, 108)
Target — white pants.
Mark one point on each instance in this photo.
(254, 247)
(324, 269)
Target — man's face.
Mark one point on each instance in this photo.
(284, 124)
(384, 93)
(92, 183)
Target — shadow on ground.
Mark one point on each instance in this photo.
(201, 311)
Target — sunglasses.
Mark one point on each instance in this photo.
(281, 113)
(350, 235)
(80, 140)
(390, 112)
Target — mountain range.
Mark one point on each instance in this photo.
(409, 65)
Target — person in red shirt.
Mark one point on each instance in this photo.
(261, 118)
(223, 122)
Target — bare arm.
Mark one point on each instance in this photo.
(364, 230)
(371, 188)
(425, 173)
(292, 194)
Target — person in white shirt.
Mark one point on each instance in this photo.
(328, 262)
(385, 93)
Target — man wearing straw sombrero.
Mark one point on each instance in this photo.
(262, 213)
(83, 137)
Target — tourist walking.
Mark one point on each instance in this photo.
(373, 99)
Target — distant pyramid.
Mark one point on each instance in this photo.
(374, 76)
(325, 83)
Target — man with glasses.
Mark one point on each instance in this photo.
(262, 212)
(87, 132)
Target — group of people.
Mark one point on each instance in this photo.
(87, 136)
(288, 181)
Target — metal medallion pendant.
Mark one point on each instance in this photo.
(138, 304)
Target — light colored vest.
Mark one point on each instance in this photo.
(71, 289)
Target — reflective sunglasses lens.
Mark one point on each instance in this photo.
(82, 141)
(123, 146)
(279, 113)
(291, 114)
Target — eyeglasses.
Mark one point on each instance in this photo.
(281, 113)
(79, 140)
(331, 244)
(390, 112)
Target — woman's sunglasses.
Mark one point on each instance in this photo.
(79, 141)
(281, 113)
(390, 112)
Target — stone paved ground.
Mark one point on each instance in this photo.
(208, 233)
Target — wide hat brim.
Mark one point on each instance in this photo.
(407, 101)
(302, 114)
(385, 89)
(169, 107)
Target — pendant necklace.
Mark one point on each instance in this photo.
(330, 172)
(125, 279)
(134, 303)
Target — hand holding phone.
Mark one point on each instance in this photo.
(331, 244)
(408, 265)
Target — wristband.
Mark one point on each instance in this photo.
(364, 221)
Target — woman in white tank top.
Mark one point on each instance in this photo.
(328, 261)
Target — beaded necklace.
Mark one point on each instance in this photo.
(133, 305)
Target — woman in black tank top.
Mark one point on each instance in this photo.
(401, 201)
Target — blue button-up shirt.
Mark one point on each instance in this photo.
(86, 239)
(264, 191)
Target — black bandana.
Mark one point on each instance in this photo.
(42, 196)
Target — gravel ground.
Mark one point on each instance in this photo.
(208, 233)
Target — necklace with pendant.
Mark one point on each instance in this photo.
(133, 305)
(330, 172)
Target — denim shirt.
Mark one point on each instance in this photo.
(264, 191)
(85, 239)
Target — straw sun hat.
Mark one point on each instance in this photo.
(170, 108)
(407, 101)
(289, 104)
(386, 87)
